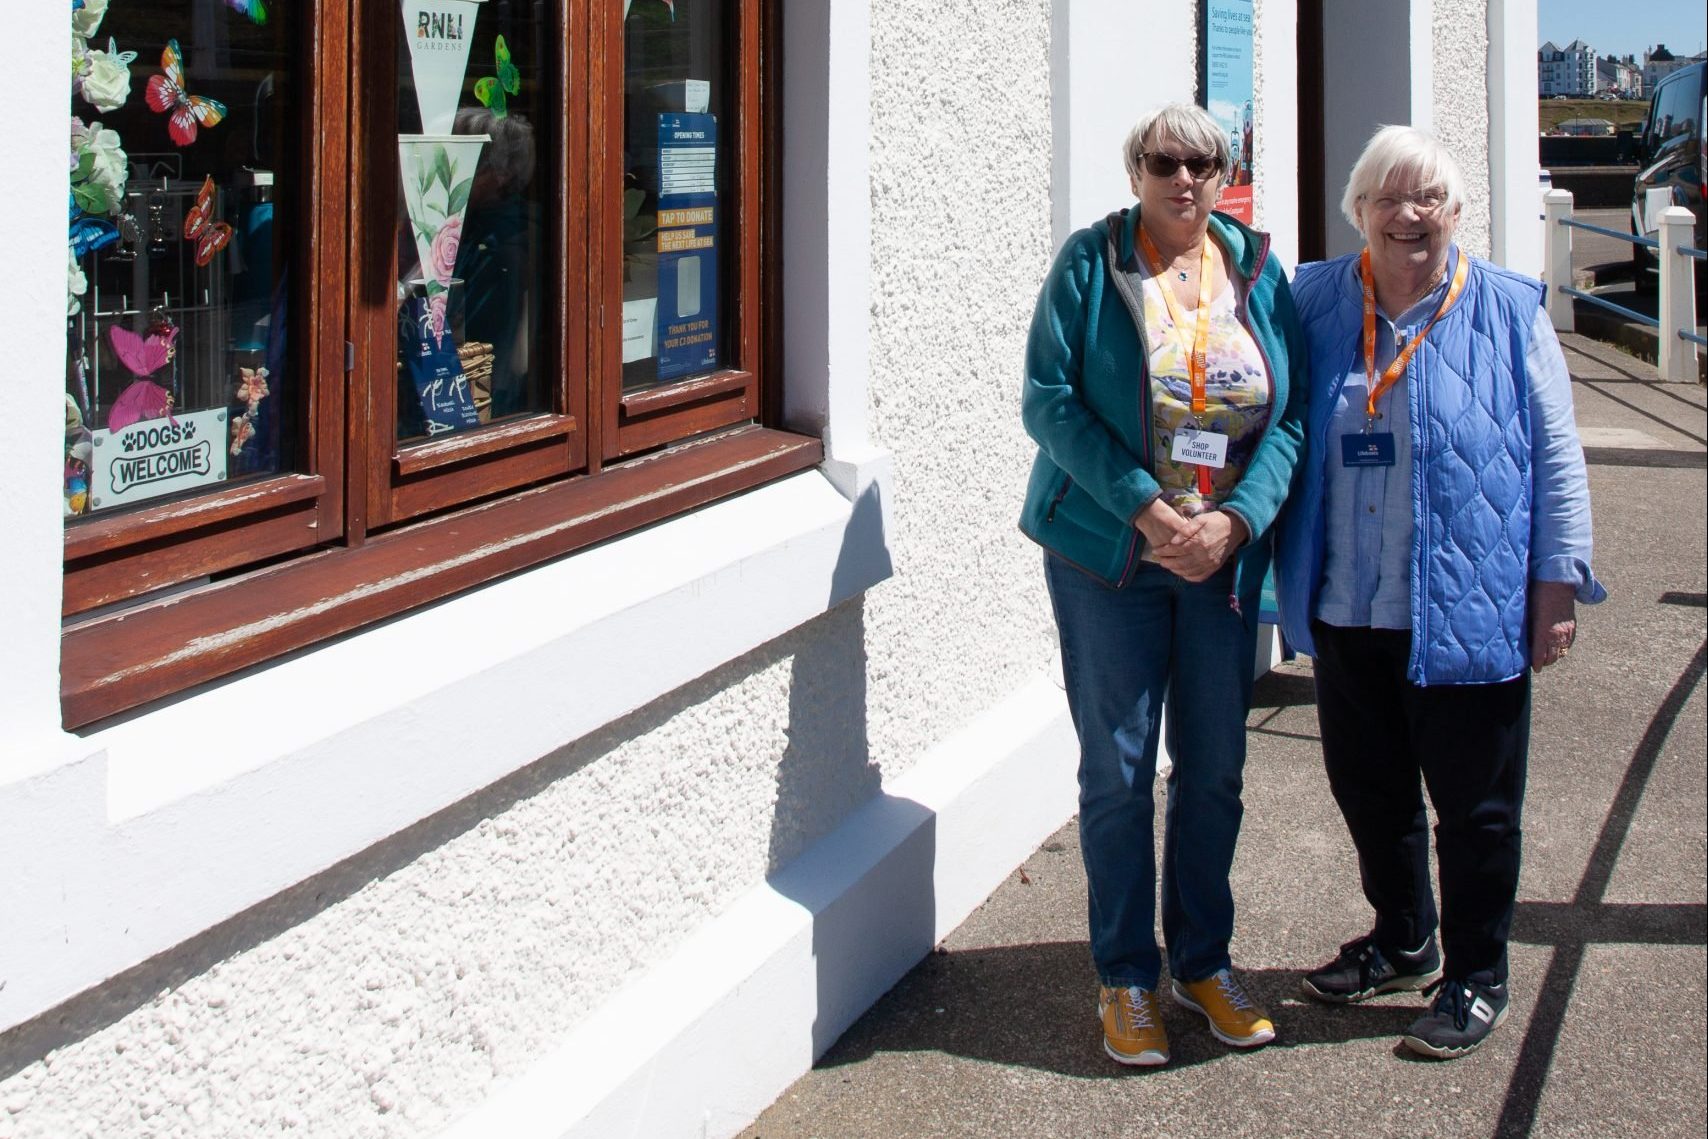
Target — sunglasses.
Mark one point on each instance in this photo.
(1200, 166)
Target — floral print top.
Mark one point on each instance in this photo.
(1237, 392)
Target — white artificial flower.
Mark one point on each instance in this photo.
(112, 165)
(86, 21)
(76, 284)
(106, 82)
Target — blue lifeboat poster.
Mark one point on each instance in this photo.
(687, 244)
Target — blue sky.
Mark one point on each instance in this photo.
(1621, 27)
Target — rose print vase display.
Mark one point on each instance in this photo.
(439, 34)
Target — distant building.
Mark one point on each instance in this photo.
(1565, 71)
(1622, 77)
(1660, 63)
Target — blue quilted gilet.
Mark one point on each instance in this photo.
(1470, 415)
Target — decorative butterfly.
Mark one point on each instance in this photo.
(254, 9)
(144, 355)
(89, 234)
(252, 387)
(210, 236)
(143, 399)
(166, 94)
(215, 238)
(492, 91)
(201, 212)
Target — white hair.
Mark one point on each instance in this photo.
(1402, 156)
(1186, 123)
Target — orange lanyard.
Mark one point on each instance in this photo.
(1198, 361)
(1391, 375)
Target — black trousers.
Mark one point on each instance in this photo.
(1470, 746)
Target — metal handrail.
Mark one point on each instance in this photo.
(1693, 338)
(1692, 251)
(1635, 239)
(1629, 314)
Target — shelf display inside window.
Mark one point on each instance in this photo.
(674, 173)
(471, 242)
(179, 367)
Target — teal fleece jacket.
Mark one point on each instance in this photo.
(1087, 402)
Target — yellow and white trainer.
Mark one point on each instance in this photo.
(1233, 1016)
(1132, 1026)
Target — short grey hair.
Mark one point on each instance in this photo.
(1402, 153)
(1186, 123)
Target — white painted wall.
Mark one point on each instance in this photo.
(1275, 180)
(1111, 61)
(32, 231)
(1515, 232)
(481, 864)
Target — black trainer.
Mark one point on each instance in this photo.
(1362, 969)
(1463, 1015)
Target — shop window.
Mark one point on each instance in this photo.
(371, 302)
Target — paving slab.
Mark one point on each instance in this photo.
(995, 1033)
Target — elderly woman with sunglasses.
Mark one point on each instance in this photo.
(1163, 385)
(1429, 560)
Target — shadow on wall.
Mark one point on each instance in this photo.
(860, 861)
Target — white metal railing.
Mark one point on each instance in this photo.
(1676, 319)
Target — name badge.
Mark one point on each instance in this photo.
(1367, 449)
(1205, 448)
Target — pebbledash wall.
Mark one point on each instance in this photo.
(820, 728)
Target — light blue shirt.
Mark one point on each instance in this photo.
(1367, 511)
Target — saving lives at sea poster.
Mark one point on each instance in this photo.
(1226, 82)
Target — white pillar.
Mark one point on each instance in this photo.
(1678, 296)
(1557, 266)
(1513, 160)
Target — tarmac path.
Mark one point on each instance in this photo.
(995, 1034)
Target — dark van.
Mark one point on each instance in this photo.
(1673, 167)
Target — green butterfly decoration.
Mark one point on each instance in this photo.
(493, 92)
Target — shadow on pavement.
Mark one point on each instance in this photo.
(1034, 1006)
(1588, 919)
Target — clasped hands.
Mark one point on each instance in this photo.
(1191, 548)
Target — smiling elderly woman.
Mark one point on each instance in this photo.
(1160, 377)
(1429, 559)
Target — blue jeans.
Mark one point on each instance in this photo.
(1123, 652)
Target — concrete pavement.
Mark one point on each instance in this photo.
(995, 1034)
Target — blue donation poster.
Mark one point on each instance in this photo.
(1225, 78)
(687, 244)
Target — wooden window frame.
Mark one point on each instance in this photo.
(370, 532)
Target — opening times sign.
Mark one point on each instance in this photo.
(1225, 80)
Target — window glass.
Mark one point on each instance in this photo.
(472, 241)
(184, 163)
(1675, 110)
(675, 178)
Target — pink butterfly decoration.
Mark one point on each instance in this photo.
(144, 399)
(144, 355)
